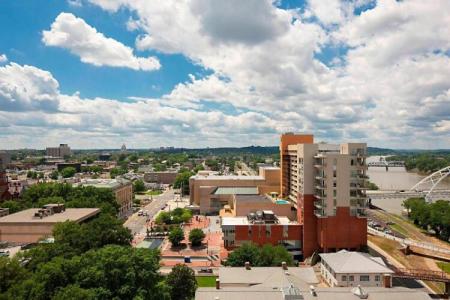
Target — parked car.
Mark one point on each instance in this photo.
(4, 253)
(205, 270)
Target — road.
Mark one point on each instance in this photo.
(137, 223)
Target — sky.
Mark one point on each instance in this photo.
(213, 73)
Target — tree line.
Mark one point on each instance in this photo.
(435, 216)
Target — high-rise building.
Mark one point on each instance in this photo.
(61, 151)
(327, 185)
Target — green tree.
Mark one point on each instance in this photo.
(273, 256)
(176, 235)
(111, 272)
(68, 172)
(114, 172)
(247, 252)
(11, 273)
(138, 186)
(196, 237)
(264, 256)
(182, 283)
(54, 175)
(14, 206)
(75, 292)
(182, 180)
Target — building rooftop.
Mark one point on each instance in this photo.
(245, 221)
(252, 198)
(267, 276)
(71, 214)
(251, 190)
(354, 262)
(103, 183)
(335, 293)
(227, 177)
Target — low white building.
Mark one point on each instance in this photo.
(346, 269)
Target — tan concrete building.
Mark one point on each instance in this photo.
(31, 225)
(327, 184)
(243, 204)
(60, 151)
(205, 192)
(122, 189)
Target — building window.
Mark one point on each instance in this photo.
(334, 173)
(364, 278)
(351, 278)
(344, 277)
(334, 193)
(377, 278)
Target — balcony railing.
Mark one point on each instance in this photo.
(320, 213)
(320, 204)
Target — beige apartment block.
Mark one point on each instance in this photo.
(210, 194)
(31, 225)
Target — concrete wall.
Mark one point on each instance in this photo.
(25, 232)
(336, 279)
(124, 197)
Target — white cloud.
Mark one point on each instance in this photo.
(75, 3)
(389, 88)
(3, 58)
(27, 88)
(327, 11)
(74, 34)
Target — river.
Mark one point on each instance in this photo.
(397, 178)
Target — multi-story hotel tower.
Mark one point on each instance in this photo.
(327, 185)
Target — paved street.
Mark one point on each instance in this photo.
(137, 223)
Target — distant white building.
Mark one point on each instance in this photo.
(346, 268)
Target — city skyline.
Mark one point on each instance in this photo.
(96, 74)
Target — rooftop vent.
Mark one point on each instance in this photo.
(291, 293)
(359, 292)
(312, 290)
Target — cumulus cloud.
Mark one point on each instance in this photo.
(3, 58)
(27, 88)
(74, 34)
(390, 87)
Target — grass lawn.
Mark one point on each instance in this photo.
(445, 266)
(399, 229)
(153, 192)
(206, 281)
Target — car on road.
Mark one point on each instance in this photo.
(4, 253)
(140, 213)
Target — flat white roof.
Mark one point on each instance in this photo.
(71, 214)
(244, 221)
(227, 177)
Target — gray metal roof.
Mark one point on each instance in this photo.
(251, 190)
(354, 262)
(336, 293)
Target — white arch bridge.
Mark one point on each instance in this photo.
(420, 189)
(433, 179)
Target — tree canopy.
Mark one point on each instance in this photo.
(182, 283)
(264, 256)
(434, 215)
(176, 235)
(73, 197)
(196, 237)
